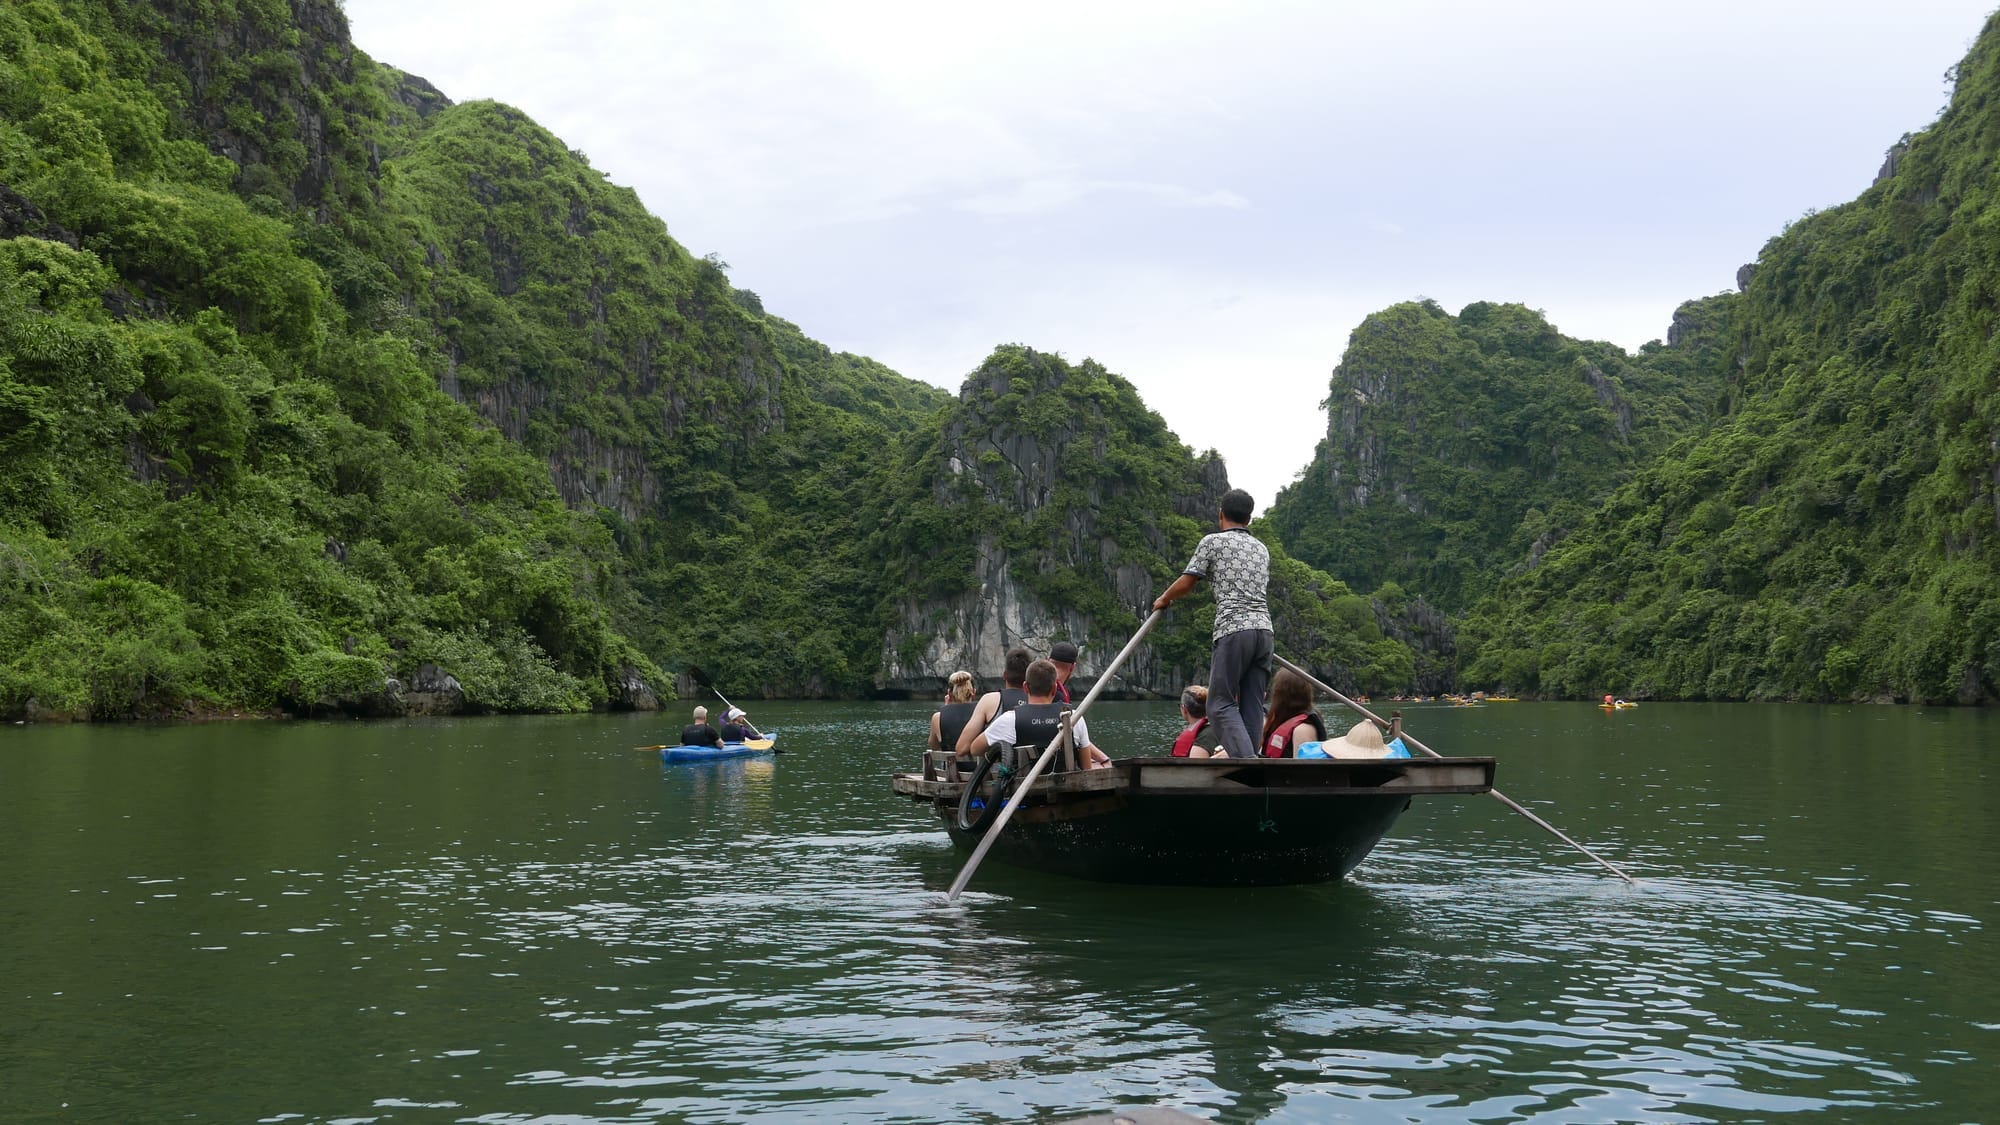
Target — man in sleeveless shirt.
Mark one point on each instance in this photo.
(1238, 568)
(1038, 721)
(993, 703)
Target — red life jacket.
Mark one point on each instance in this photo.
(1279, 744)
(1185, 742)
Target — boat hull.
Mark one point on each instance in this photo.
(1193, 823)
(728, 751)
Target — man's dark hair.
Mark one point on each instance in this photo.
(1237, 505)
(1042, 678)
(1017, 666)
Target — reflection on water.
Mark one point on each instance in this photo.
(520, 921)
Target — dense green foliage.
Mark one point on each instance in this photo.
(310, 378)
(1837, 534)
(216, 486)
(719, 440)
(238, 260)
(1456, 444)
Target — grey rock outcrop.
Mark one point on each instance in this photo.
(634, 693)
(975, 631)
(433, 691)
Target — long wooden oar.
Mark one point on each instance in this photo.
(1041, 763)
(1495, 793)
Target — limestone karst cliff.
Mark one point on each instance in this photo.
(1051, 505)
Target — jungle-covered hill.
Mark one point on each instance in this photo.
(309, 377)
(320, 392)
(1798, 497)
(1458, 446)
(1051, 504)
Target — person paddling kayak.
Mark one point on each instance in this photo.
(736, 727)
(699, 733)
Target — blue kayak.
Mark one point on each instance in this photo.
(758, 748)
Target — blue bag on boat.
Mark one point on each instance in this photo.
(1397, 749)
(1311, 750)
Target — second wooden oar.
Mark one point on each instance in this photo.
(1495, 793)
(1041, 763)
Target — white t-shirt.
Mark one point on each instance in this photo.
(1001, 730)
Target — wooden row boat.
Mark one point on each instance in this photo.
(753, 748)
(1199, 822)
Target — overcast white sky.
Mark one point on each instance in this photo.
(1206, 198)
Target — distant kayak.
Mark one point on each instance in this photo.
(755, 748)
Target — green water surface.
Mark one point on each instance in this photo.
(526, 920)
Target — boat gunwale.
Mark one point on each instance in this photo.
(1128, 776)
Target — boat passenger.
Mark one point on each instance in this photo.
(1194, 712)
(1038, 722)
(1292, 720)
(699, 733)
(736, 727)
(1238, 566)
(948, 722)
(1062, 654)
(993, 703)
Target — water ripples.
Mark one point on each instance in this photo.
(822, 973)
(616, 941)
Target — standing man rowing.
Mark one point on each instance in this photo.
(1238, 567)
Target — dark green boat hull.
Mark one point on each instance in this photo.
(1171, 822)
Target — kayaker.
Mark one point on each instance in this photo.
(699, 733)
(948, 722)
(736, 727)
(1013, 675)
(1038, 722)
(1062, 654)
(1292, 721)
(1238, 567)
(1194, 712)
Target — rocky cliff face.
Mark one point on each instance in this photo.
(1062, 507)
(293, 65)
(974, 632)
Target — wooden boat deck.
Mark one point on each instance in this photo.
(1218, 777)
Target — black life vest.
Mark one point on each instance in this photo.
(700, 734)
(952, 718)
(1010, 698)
(1037, 724)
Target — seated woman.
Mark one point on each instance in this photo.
(1290, 719)
(949, 721)
(736, 727)
(1194, 712)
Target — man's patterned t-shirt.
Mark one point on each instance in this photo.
(1238, 568)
